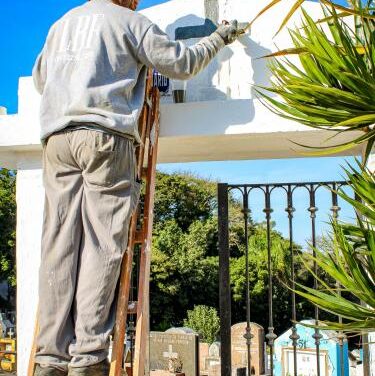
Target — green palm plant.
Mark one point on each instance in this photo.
(333, 87)
(351, 263)
(356, 8)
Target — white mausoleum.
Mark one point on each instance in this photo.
(221, 120)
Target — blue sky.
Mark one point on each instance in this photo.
(23, 27)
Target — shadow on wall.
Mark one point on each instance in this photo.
(189, 29)
(261, 73)
(192, 27)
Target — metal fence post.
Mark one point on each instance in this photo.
(224, 281)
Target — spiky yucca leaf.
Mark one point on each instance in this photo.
(334, 86)
(351, 263)
(350, 10)
(333, 89)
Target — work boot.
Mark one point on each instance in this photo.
(100, 369)
(48, 371)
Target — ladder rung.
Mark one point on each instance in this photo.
(132, 308)
(144, 172)
(139, 237)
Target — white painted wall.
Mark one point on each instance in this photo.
(30, 200)
(221, 121)
(221, 110)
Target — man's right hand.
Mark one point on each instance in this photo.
(228, 31)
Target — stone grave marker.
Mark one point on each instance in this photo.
(203, 355)
(213, 361)
(215, 350)
(181, 330)
(239, 348)
(175, 352)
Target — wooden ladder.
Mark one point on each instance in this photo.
(140, 233)
(149, 131)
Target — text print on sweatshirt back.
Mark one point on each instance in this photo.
(77, 37)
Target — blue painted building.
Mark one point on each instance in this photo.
(330, 364)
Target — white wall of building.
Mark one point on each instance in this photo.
(222, 120)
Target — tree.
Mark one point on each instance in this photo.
(258, 276)
(205, 321)
(183, 272)
(7, 227)
(185, 265)
(183, 198)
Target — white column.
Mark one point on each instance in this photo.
(30, 200)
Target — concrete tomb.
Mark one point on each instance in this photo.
(239, 348)
(209, 359)
(175, 353)
(329, 354)
(203, 356)
(215, 350)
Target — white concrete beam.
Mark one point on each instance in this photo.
(196, 131)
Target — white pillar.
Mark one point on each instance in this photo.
(30, 199)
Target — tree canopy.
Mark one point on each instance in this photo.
(7, 227)
(185, 264)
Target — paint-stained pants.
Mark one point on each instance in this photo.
(91, 191)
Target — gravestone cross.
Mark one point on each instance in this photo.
(11, 333)
(170, 354)
(174, 352)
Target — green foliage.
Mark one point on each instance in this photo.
(258, 276)
(333, 86)
(352, 261)
(7, 226)
(185, 265)
(184, 268)
(205, 321)
(258, 257)
(357, 8)
(183, 272)
(334, 90)
(184, 199)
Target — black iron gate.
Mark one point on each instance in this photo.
(245, 193)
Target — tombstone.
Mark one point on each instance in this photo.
(215, 350)
(203, 356)
(329, 353)
(239, 348)
(213, 361)
(174, 352)
(181, 330)
(215, 370)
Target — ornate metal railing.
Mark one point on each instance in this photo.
(244, 191)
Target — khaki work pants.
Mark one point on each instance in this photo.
(91, 192)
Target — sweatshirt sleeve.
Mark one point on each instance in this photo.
(173, 58)
(40, 72)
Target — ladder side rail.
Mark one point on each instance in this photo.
(143, 315)
(143, 124)
(127, 264)
(122, 304)
(31, 367)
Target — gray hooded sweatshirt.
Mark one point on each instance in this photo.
(93, 66)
